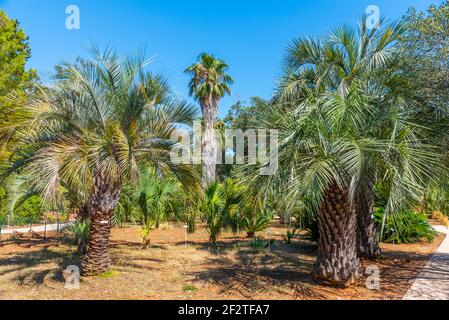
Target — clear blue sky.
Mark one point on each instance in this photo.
(250, 35)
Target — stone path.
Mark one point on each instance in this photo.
(433, 282)
(50, 227)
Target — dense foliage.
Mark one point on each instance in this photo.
(15, 82)
(404, 227)
(364, 145)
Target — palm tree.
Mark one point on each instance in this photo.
(100, 119)
(333, 107)
(208, 85)
(364, 58)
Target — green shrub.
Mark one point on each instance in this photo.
(127, 208)
(80, 230)
(290, 235)
(3, 205)
(257, 223)
(189, 288)
(256, 217)
(212, 210)
(404, 227)
(159, 201)
(28, 211)
(258, 244)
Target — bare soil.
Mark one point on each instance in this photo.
(33, 268)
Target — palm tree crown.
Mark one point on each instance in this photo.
(209, 80)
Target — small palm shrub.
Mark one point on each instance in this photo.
(212, 210)
(256, 219)
(290, 235)
(258, 244)
(80, 229)
(224, 207)
(233, 196)
(404, 227)
(127, 209)
(189, 217)
(159, 200)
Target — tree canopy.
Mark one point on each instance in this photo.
(14, 54)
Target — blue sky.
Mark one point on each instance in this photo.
(250, 35)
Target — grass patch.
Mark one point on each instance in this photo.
(189, 288)
(109, 274)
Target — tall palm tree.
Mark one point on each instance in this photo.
(333, 109)
(208, 85)
(100, 119)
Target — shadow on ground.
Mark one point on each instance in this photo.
(235, 269)
(284, 269)
(42, 263)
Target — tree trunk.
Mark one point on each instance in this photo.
(102, 203)
(337, 262)
(209, 146)
(367, 245)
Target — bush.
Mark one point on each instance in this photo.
(257, 222)
(189, 288)
(159, 201)
(3, 206)
(258, 244)
(290, 235)
(255, 217)
(80, 229)
(233, 194)
(127, 209)
(28, 211)
(212, 210)
(404, 227)
(441, 218)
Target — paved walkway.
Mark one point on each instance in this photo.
(433, 282)
(50, 227)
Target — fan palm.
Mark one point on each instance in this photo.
(212, 209)
(159, 200)
(334, 143)
(209, 83)
(346, 59)
(100, 119)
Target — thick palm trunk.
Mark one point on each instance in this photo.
(209, 147)
(101, 206)
(337, 261)
(367, 244)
